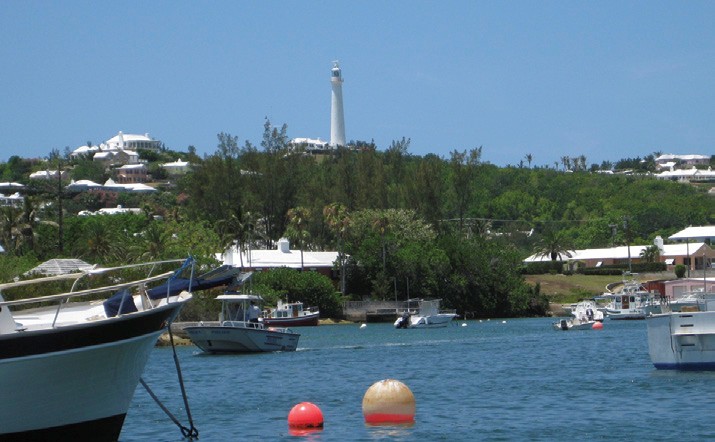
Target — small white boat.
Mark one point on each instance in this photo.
(69, 367)
(583, 317)
(291, 314)
(236, 332)
(684, 339)
(421, 313)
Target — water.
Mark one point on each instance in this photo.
(518, 380)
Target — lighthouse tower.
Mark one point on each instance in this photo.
(337, 120)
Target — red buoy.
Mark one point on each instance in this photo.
(305, 415)
(597, 326)
(388, 402)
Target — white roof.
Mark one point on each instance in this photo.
(668, 157)
(83, 183)
(698, 232)
(132, 166)
(277, 258)
(177, 163)
(60, 267)
(622, 252)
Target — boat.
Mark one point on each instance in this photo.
(633, 301)
(423, 313)
(236, 332)
(291, 314)
(71, 361)
(684, 339)
(584, 316)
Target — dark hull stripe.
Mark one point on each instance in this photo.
(30, 343)
(106, 429)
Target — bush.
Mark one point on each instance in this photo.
(543, 267)
(680, 270)
(310, 288)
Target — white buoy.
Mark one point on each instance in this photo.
(363, 325)
(503, 322)
(464, 324)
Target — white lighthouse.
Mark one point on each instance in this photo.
(337, 120)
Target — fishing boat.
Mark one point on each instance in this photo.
(291, 314)
(422, 313)
(633, 301)
(584, 316)
(238, 332)
(69, 366)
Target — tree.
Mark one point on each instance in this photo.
(298, 218)
(463, 167)
(553, 244)
(338, 219)
(650, 253)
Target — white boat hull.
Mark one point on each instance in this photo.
(216, 339)
(682, 340)
(431, 321)
(75, 382)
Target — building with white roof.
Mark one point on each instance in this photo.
(310, 145)
(131, 173)
(689, 175)
(690, 160)
(177, 167)
(123, 141)
(695, 233)
(46, 175)
(14, 200)
(281, 256)
(119, 142)
(691, 255)
(83, 185)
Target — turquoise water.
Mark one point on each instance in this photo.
(489, 380)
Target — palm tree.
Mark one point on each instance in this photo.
(338, 219)
(554, 244)
(650, 253)
(529, 159)
(297, 228)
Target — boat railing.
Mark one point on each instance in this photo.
(242, 324)
(63, 298)
(80, 293)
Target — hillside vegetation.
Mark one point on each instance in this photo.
(404, 225)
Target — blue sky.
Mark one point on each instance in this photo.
(604, 79)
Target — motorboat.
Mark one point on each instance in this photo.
(237, 332)
(71, 359)
(633, 301)
(423, 313)
(291, 314)
(584, 316)
(684, 339)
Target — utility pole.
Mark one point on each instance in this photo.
(60, 216)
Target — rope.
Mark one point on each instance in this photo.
(192, 432)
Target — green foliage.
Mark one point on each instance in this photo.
(13, 266)
(310, 288)
(680, 270)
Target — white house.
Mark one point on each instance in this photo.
(177, 167)
(689, 175)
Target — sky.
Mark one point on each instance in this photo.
(549, 78)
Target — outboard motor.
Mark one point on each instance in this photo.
(404, 321)
(564, 325)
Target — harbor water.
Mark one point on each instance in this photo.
(496, 380)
